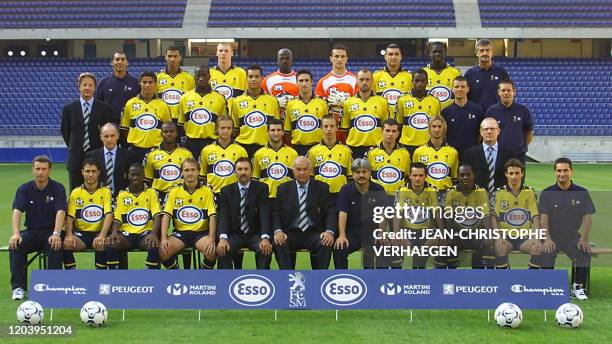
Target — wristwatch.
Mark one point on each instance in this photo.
(56, 233)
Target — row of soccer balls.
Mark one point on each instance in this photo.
(507, 314)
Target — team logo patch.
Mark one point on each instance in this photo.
(163, 81)
(127, 201)
(200, 116)
(243, 104)
(146, 121)
(408, 104)
(382, 84)
(138, 217)
(135, 106)
(424, 159)
(277, 171)
(79, 202)
(172, 96)
(319, 159)
(379, 158)
(158, 157)
(438, 170)
(330, 169)
(190, 103)
(255, 119)
(392, 95)
(389, 175)
(278, 87)
(213, 84)
(178, 202)
(170, 173)
(265, 161)
(442, 93)
(92, 213)
(223, 168)
(224, 90)
(354, 107)
(212, 157)
(516, 217)
(504, 204)
(365, 123)
(419, 121)
(295, 113)
(307, 123)
(189, 214)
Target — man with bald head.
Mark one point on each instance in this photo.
(303, 217)
(283, 83)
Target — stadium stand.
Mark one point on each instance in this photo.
(92, 13)
(545, 13)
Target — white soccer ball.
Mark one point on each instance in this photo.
(30, 312)
(569, 315)
(93, 313)
(508, 315)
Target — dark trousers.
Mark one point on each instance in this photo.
(360, 151)
(32, 241)
(581, 260)
(250, 149)
(238, 242)
(195, 145)
(302, 149)
(75, 179)
(296, 240)
(341, 255)
(139, 153)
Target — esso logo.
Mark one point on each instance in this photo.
(516, 217)
(251, 290)
(365, 123)
(277, 171)
(146, 122)
(223, 168)
(389, 175)
(330, 169)
(200, 116)
(343, 290)
(392, 95)
(255, 119)
(441, 92)
(307, 123)
(171, 97)
(138, 217)
(225, 91)
(92, 213)
(189, 214)
(169, 173)
(438, 171)
(419, 121)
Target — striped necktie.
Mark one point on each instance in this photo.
(86, 112)
(109, 171)
(244, 226)
(491, 166)
(302, 215)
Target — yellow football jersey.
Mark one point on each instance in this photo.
(440, 85)
(414, 115)
(163, 168)
(273, 167)
(251, 115)
(199, 113)
(230, 84)
(476, 199)
(442, 164)
(420, 207)
(389, 169)
(363, 119)
(170, 88)
(143, 120)
(331, 165)
(190, 211)
(303, 120)
(217, 164)
(135, 212)
(88, 209)
(392, 87)
(515, 211)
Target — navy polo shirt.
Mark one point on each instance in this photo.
(483, 84)
(116, 92)
(565, 208)
(514, 121)
(40, 206)
(350, 200)
(463, 125)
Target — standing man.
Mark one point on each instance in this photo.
(515, 120)
(484, 78)
(226, 78)
(363, 115)
(564, 208)
(463, 118)
(248, 225)
(389, 162)
(303, 217)
(117, 88)
(282, 84)
(81, 122)
(440, 74)
(44, 202)
(393, 81)
(303, 116)
(441, 159)
(173, 82)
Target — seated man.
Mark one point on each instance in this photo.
(192, 209)
(89, 214)
(136, 215)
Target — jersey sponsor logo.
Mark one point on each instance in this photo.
(365, 123)
(135, 107)
(277, 171)
(138, 217)
(200, 116)
(389, 175)
(189, 214)
(225, 91)
(438, 170)
(170, 173)
(255, 119)
(92, 213)
(419, 121)
(146, 121)
(441, 92)
(307, 123)
(251, 290)
(223, 168)
(172, 96)
(344, 290)
(516, 217)
(330, 169)
(392, 95)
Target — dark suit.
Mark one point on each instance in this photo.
(73, 132)
(257, 208)
(321, 213)
(476, 157)
(123, 160)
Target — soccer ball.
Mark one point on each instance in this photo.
(93, 313)
(30, 312)
(569, 315)
(508, 315)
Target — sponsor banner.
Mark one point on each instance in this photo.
(346, 289)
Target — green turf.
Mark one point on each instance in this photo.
(386, 326)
